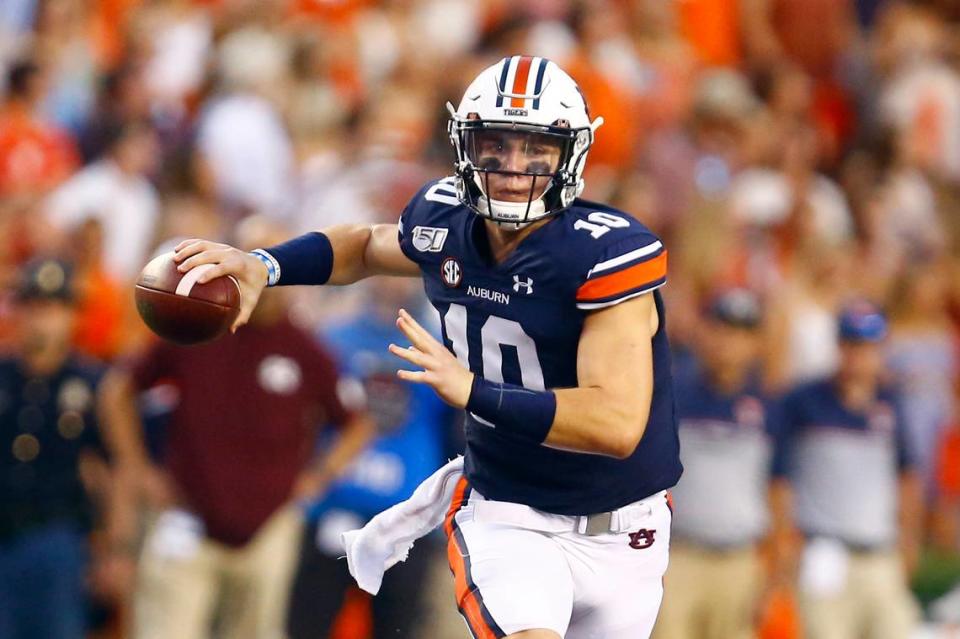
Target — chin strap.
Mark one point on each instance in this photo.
(490, 208)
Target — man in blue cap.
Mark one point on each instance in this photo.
(856, 500)
(728, 432)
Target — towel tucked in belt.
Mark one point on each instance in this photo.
(388, 537)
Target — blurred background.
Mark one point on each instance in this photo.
(805, 153)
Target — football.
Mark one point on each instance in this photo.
(178, 308)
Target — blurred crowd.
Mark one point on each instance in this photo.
(803, 153)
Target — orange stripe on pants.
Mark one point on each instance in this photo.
(466, 597)
(455, 505)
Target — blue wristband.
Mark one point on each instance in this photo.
(307, 259)
(273, 268)
(525, 413)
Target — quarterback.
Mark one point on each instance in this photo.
(554, 343)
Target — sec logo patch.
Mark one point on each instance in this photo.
(451, 273)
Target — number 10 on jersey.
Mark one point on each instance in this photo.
(495, 333)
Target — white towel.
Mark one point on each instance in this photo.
(388, 537)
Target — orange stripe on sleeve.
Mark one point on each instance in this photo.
(520, 80)
(625, 280)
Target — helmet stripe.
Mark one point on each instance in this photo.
(520, 80)
(539, 85)
(503, 80)
(532, 77)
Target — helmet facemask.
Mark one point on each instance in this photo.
(534, 169)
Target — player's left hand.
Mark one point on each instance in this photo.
(441, 370)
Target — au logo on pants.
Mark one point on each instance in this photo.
(643, 538)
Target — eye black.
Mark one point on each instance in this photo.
(540, 168)
(490, 163)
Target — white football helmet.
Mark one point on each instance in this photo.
(522, 117)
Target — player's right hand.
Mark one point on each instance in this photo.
(250, 271)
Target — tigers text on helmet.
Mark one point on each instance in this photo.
(521, 136)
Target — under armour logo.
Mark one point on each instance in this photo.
(643, 538)
(527, 286)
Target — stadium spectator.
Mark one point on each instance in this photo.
(224, 541)
(728, 433)
(53, 477)
(103, 306)
(35, 155)
(116, 191)
(855, 496)
(944, 531)
(920, 95)
(241, 137)
(803, 310)
(122, 98)
(16, 23)
(180, 36)
(922, 357)
(69, 58)
(945, 522)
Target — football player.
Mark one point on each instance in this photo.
(554, 343)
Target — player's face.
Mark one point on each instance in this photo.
(504, 155)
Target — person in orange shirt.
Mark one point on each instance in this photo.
(712, 27)
(104, 313)
(35, 155)
(945, 526)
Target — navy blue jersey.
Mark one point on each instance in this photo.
(844, 464)
(520, 322)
